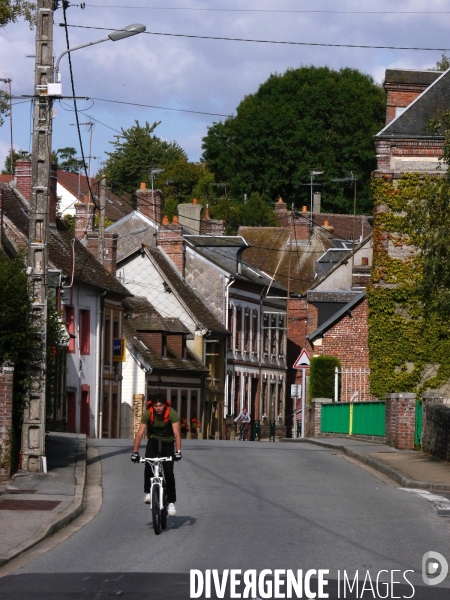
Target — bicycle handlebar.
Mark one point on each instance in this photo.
(156, 460)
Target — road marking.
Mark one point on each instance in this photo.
(441, 504)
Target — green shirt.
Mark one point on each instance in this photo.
(158, 429)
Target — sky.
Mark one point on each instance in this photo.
(204, 75)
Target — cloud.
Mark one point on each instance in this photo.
(210, 75)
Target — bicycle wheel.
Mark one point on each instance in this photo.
(164, 510)
(156, 509)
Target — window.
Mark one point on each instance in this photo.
(266, 334)
(85, 331)
(255, 332)
(247, 330)
(238, 344)
(70, 323)
(108, 342)
(273, 335)
(230, 326)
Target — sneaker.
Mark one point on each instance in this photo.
(147, 498)
(171, 510)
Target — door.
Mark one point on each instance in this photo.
(85, 414)
(71, 412)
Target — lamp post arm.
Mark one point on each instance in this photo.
(72, 50)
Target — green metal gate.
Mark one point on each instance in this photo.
(418, 428)
(335, 418)
(354, 418)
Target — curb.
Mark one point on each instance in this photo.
(377, 464)
(64, 518)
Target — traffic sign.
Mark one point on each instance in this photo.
(302, 361)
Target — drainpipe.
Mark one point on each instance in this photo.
(101, 354)
(231, 280)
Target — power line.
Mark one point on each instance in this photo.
(277, 11)
(255, 41)
(196, 112)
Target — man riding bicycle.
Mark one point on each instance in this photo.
(244, 419)
(163, 428)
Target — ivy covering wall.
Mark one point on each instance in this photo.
(409, 350)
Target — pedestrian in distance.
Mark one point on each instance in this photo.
(163, 431)
(244, 419)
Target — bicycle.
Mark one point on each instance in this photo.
(241, 436)
(158, 492)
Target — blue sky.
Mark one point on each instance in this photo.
(205, 75)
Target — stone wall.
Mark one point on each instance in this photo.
(436, 426)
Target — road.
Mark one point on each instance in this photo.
(240, 506)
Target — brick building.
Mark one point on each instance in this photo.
(405, 144)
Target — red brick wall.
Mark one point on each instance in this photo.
(170, 240)
(153, 341)
(83, 221)
(400, 98)
(348, 339)
(150, 205)
(6, 402)
(400, 420)
(22, 170)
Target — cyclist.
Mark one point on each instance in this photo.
(244, 419)
(163, 427)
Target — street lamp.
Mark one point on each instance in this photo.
(115, 36)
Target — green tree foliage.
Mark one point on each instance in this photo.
(19, 340)
(136, 151)
(66, 160)
(11, 10)
(179, 182)
(306, 119)
(443, 64)
(321, 376)
(4, 106)
(255, 212)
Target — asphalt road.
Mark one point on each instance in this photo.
(240, 506)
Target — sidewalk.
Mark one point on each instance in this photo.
(409, 468)
(34, 506)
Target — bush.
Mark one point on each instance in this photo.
(321, 376)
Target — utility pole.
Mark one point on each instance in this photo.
(33, 431)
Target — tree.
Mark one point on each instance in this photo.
(17, 156)
(255, 212)
(4, 106)
(11, 10)
(136, 151)
(66, 160)
(443, 64)
(305, 119)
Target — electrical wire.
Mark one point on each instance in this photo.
(195, 112)
(255, 41)
(65, 5)
(276, 11)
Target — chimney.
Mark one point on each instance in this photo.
(109, 260)
(302, 225)
(22, 171)
(329, 229)
(53, 195)
(170, 240)
(149, 203)
(189, 217)
(317, 199)
(210, 226)
(281, 210)
(84, 219)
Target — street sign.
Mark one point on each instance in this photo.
(302, 361)
(296, 390)
(119, 345)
